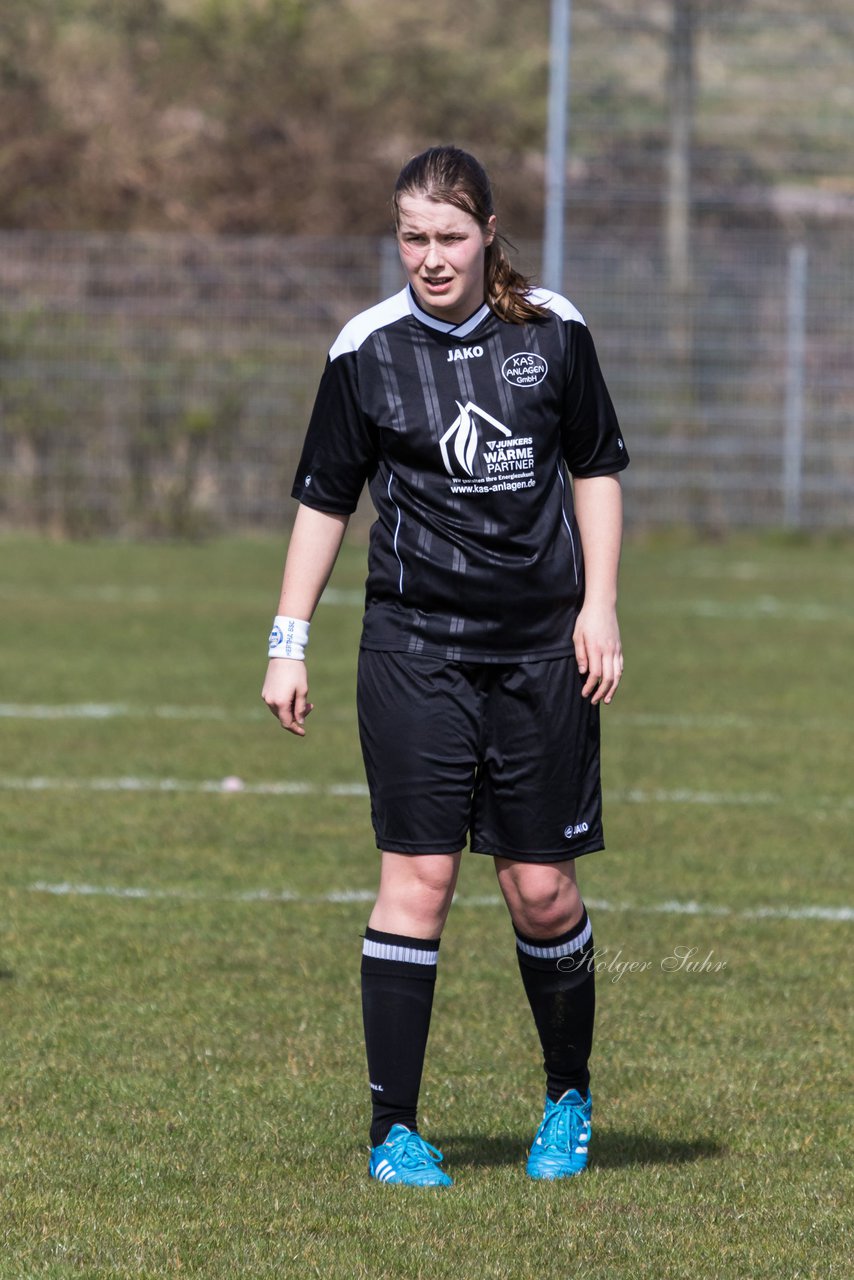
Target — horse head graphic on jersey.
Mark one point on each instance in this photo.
(463, 434)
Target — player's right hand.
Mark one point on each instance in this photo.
(285, 692)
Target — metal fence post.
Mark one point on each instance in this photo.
(793, 439)
(558, 110)
(391, 272)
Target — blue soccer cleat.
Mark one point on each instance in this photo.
(559, 1149)
(405, 1158)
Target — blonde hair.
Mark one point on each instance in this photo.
(448, 175)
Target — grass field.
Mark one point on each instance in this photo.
(182, 1085)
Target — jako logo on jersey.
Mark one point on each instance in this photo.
(462, 435)
(464, 353)
(524, 369)
(580, 829)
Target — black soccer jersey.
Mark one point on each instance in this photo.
(464, 434)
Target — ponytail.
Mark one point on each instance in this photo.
(507, 290)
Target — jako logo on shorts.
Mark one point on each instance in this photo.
(579, 829)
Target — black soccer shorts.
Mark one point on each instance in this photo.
(505, 754)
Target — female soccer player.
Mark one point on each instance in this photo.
(490, 634)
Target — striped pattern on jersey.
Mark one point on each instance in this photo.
(464, 434)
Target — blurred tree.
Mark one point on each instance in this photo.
(38, 149)
(294, 115)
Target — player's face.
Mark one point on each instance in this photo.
(442, 249)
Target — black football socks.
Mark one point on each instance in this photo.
(559, 979)
(398, 980)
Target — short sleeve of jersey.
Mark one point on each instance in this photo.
(592, 441)
(339, 452)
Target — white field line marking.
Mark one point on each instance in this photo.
(116, 593)
(340, 596)
(66, 889)
(295, 787)
(231, 786)
(724, 721)
(762, 606)
(726, 799)
(721, 721)
(755, 570)
(116, 711)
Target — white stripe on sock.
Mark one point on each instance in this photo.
(563, 949)
(390, 951)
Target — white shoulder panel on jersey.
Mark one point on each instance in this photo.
(559, 305)
(359, 329)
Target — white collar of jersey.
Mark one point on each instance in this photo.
(442, 326)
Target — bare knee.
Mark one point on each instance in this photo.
(415, 894)
(543, 898)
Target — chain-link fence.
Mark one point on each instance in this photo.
(162, 384)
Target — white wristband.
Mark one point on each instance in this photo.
(288, 638)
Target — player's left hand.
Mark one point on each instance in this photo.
(598, 652)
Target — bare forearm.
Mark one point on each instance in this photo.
(312, 551)
(599, 512)
(598, 651)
